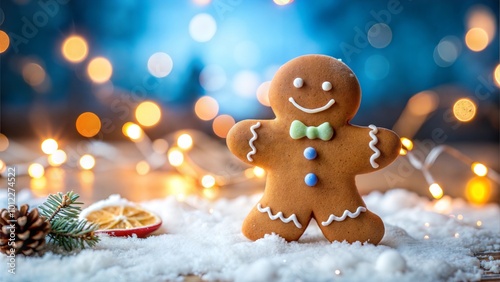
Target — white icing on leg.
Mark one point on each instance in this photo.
(279, 215)
(346, 214)
(254, 137)
(376, 151)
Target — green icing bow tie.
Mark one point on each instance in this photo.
(299, 130)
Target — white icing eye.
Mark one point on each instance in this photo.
(327, 86)
(298, 82)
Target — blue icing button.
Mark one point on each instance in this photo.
(311, 179)
(310, 153)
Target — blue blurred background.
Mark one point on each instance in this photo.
(174, 52)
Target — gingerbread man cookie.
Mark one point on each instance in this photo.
(312, 154)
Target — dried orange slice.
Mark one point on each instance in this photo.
(119, 217)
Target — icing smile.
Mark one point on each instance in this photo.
(312, 111)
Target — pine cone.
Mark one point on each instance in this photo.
(29, 231)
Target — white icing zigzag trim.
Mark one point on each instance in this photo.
(346, 214)
(312, 111)
(376, 152)
(250, 143)
(280, 216)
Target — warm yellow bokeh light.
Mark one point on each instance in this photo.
(423, 103)
(208, 181)
(206, 108)
(202, 2)
(175, 157)
(142, 168)
(402, 152)
(185, 141)
(3, 166)
(4, 142)
(57, 158)
(75, 49)
(436, 191)
(282, 2)
(479, 223)
(479, 169)
(99, 70)
(87, 162)
(49, 146)
(88, 124)
(4, 41)
(478, 190)
(36, 170)
(33, 74)
(263, 93)
(464, 109)
(259, 172)
(496, 74)
(132, 131)
(222, 124)
(481, 16)
(148, 113)
(407, 143)
(476, 39)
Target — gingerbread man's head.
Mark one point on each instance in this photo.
(315, 89)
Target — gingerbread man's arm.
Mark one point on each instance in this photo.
(249, 141)
(378, 147)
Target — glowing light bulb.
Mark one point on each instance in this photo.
(185, 141)
(142, 168)
(403, 152)
(259, 172)
(457, 235)
(407, 143)
(36, 170)
(479, 169)
(479, 223)
(87, 162)
(464, 109)
(478, 190)
(208, 181)
(57, 158)
(49, 146)
(175, 157)
(436, 191)
(132, 131)
(75, 49)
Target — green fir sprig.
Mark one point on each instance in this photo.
(67, 229)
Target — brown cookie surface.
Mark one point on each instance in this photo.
(312, 154)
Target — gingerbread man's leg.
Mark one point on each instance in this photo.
(356, 223)
(285, 220)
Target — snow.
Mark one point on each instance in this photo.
(203, 238)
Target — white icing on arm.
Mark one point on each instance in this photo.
(279, 215)
(376, 151)
(250, 143)
(346, 214)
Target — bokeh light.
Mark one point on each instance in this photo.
(481, 16)
(160, 64)
(36, 170)
(88, 124)
(75, 49)
(464, 109)
(245, 83)
(142, 168)
(423, 103)
(100, 70)
(497, 75)
(160, 146)
(87, 162)
(447, 51)
(282, 2)
(4, 41)
(436, 191)
(3, 166)
(33, 74)
(478, 190)
(175, 157)
(379, 35)
(477, 39)
(4, 142)
(259, 172)
(202, 27)
(206, 108)
(263, 93)
(185, 141)
(479, 169)
(132, 131)
(407, 143)
(202, 2)
(49, 146)
(222, 124)
(148, 113)
(57, 158)
(213, 78)
(208, 181)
